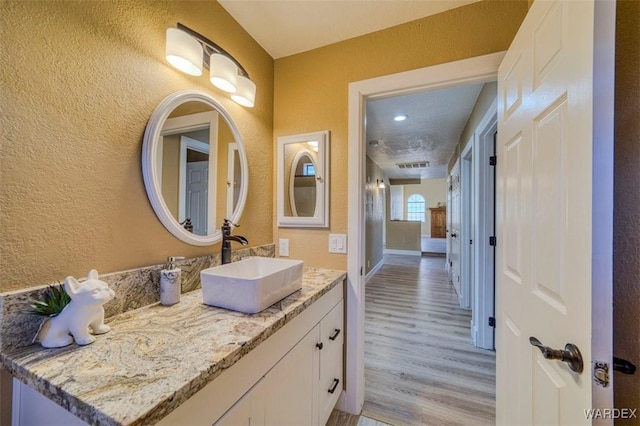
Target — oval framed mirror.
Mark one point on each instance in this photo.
(194, 166)
(302, 180)
(302, 184)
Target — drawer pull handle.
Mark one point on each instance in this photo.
(335, 385)
(335, 334)
(319, 345)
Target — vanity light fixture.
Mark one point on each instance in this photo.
(184, 52)
(223, 73)
(188, 51)
(246, 92)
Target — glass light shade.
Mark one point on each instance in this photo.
(224, 72)
(184, 52)
(246, 94)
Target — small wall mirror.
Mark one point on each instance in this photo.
(194, 167)
(303, 180)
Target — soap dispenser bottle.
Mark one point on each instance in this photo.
(170, 282)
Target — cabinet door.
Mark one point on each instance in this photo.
(239, 414)
(30, 407)
(249, 410)
(330, 381)
(289, 400)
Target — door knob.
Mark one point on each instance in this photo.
(571, 354)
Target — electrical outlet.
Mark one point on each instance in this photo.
(283, 247)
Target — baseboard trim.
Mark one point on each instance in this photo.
(373, 271)
(403, 252)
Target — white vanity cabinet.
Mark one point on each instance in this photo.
(331, 364)
(303, 387)
(293, 377)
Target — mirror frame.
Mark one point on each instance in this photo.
(150, 171)
(320, 219)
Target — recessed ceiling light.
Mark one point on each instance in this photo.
(400, 117)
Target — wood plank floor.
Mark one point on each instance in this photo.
(339, 418)
(421, 367)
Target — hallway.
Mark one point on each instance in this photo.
(420, 363)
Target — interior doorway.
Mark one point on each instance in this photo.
(483, 304)
(480, 69)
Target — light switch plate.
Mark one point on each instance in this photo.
(337, 243)
(283, 247)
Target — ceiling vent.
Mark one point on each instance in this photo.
(414, 165)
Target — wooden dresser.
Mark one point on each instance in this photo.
(438, 222)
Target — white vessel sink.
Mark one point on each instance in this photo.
(251, 285)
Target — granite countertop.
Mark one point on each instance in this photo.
(156, 357)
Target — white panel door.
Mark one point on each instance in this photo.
(197, 189)
(455, 229)
(554, 229)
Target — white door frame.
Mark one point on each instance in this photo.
(473, 70)
(484, 293)
(190, 144)
(467, 220)
(231, 177)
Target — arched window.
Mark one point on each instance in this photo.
(415, 208)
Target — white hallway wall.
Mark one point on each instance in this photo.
(434, 191)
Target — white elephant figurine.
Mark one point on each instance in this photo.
(83, 312)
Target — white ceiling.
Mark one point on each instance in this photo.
(436, 119)
(287, 27)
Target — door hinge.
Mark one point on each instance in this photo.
(493, 160)
(492, 322)
(470, 241)
(492, 241)
(361, 270)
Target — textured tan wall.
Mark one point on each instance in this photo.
(626, 305)
(79, 81)
(374, 215)
(311, 91)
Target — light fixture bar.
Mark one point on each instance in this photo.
(211, 47)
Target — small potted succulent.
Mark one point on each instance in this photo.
(50, 304)
(53, 301)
